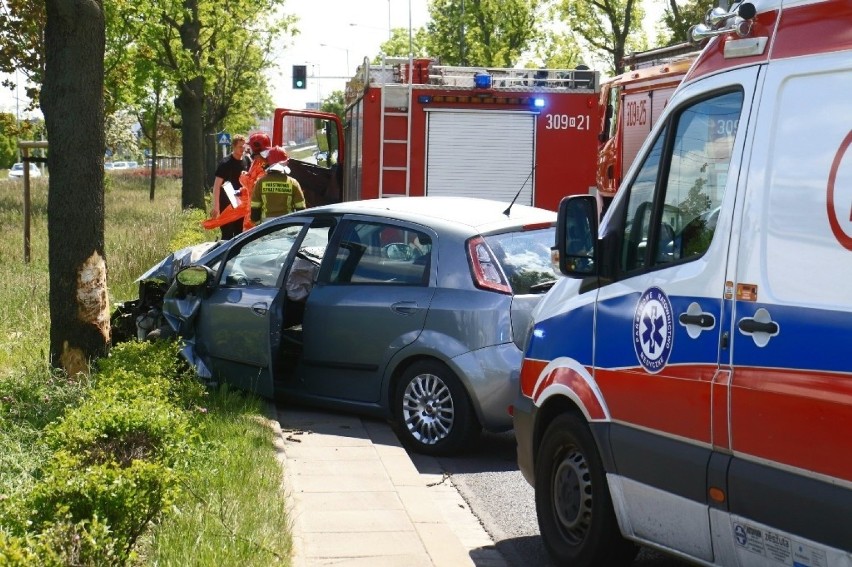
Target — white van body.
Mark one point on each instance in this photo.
(700, 361)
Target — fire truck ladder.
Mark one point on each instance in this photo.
(395, 128)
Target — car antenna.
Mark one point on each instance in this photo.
(518, 194)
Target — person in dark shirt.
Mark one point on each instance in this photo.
(229, 169)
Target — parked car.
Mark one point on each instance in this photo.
(17, 171)
(408, 308)
(108, 165)
(120, 165)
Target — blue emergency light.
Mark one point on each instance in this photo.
(482, 81)
(538, 102)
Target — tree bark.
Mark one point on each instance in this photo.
(72, 102)
(190, 104)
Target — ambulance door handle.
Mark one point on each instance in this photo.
(695, 320)
(760, 328)
(751, 326)
(702, 320)
(259, 308)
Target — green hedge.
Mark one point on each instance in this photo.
(117, 464)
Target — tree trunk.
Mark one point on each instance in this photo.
(191, 111)
(72, 102)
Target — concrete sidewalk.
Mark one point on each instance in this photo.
(355, 498)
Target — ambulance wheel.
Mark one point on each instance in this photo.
(434, 415)
(572, 500)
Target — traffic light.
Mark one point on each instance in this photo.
(300, 76)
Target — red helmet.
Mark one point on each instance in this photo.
(259, 141)
(276, 155)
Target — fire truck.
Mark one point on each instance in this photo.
(417, 128)
(631, 103)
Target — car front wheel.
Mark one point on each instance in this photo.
(572, 500)
(433, 413)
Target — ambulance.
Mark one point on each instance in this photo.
(688, 385)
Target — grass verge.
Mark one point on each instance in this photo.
(226, 516)
(226, 503)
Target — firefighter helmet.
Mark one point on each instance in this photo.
(259, 141)
(276, 155)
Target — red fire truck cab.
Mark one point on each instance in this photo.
(504, 134)
(631, 103)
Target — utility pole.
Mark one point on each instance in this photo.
(461, 37)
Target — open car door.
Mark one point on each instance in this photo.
(314, 142)
(237, 329)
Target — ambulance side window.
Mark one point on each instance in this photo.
(675, 199)
(639, 209)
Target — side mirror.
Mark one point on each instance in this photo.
(577, 236)
(194, 277)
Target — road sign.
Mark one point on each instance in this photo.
(224, 139)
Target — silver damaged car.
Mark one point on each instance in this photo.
(409, 308)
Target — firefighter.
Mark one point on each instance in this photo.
(276, 193)
(259, 142)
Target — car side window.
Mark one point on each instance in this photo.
(259, 261)
(378, 253)
(675, 199)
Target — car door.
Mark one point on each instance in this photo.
(373, 292)
(237, 323)
(658, 323)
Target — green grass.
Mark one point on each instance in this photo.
(227, 517)
(230, 517)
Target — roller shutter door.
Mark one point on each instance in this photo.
(481, 154)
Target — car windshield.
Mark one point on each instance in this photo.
(525, 258)
(18, 167)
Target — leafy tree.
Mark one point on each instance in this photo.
(239, 91)
(335, 102)
(556, 51)
(679, 17)
(119, 137)
(213, 52)
(8, 142)
(610, 28)
(22, 43)
(482, 33)
(398, 45)
(72, 103)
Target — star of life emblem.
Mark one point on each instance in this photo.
(653, 330)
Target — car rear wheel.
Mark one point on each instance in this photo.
(434, 415)
(572, 500)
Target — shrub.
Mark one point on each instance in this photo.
(118, 426)
(85, 543)
(155, 367)
(126, 499)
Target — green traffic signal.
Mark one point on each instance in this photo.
(300, 76)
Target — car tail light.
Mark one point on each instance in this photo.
(486, 271)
